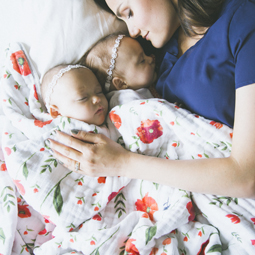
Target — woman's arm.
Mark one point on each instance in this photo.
(233, 176)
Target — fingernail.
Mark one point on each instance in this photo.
(47, 143)
(54, 132)
(75, 131)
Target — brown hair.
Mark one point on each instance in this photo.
(192, 13)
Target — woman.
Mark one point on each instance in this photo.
(205, 42)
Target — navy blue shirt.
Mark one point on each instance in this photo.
(206, 76)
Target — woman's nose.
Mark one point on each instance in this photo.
(133, 31)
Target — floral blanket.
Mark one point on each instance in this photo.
(48, 209)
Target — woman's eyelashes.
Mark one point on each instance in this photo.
(129, 14)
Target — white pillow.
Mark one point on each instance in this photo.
(54, 31)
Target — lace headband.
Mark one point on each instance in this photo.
(112, 65)
(54, 82)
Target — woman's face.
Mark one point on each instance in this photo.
(154, 20)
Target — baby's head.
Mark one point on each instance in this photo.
(131, 67)
(74, 91)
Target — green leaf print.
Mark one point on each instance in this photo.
(57, 199)
(215, 248)
(149, 233)
(25, 170)
(2, 235)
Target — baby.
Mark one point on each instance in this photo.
(74, 91)
(119, 62)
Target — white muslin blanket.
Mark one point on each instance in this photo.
(49, 209)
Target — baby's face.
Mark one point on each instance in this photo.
(137, 68)
(79, 95)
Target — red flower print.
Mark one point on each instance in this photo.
(42, 149)
(145, 215)
(8, 151)
(97, 217)
(94, 194)
(20, 187)
(142, 103)
(147, 204)
(199, 233)
(23, 211)
(163, 253)
(111, 196)
(185, 239)
(101, 179)
(191, 211)
(154, 251)
(174, 144)
(35, 93)
(35, 190)
(79, 202)
(130, 247)
(26, 103)
(19, 63)
(16, 86)
(80, 183)
(234, 218)
(216, 124)
(96, 208)
(25, 233)
(43, 232)
(253, 242)
(197, 116)
(115, 118)
(149, 131)
(253, 220)
(5, 75)
(92, 242)
(40, 124)
(200, 155)
(177, 107)
(202, 248)
(81, 226)
(192, 133)
(231, 135)
(71, 240)
(167, 241)
(3, 167)
(71, 229)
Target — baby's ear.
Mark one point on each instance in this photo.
(54, 112)
(119, 83)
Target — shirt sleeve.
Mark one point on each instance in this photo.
(242, 43)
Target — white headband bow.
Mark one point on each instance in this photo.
(113, 60)
(54, 82)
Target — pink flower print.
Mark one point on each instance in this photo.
(8, 151)
(19, 63)
(149, 131)
(253, 242)
(92, 242)
(253, 220)
(20, 187)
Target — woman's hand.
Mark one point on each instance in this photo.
(97, 154)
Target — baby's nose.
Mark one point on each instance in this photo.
(95, 99)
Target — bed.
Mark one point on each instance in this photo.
(48, 209)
